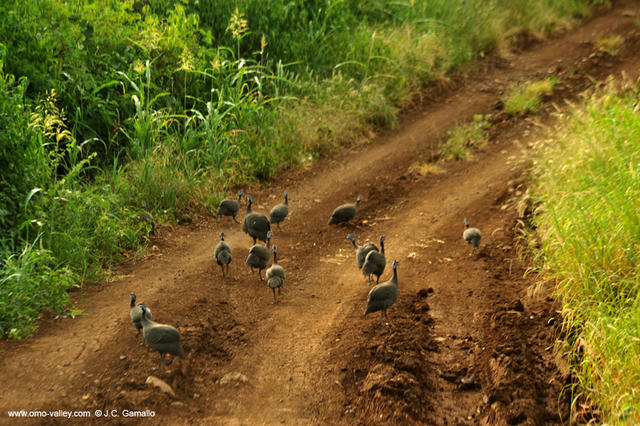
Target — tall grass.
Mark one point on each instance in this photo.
(165, 105)
(588, 180)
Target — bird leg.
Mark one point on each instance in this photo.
(275, 300)
(235, 220)
(161, 363)
(387, 318)
(260, 274)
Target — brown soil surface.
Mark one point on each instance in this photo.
(468, 346)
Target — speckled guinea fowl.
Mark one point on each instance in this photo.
(375, 262)
(230, 207)
(275, 276)
(344, 213)
(279, 212)
(135, 312)
(259, 256)
(161, 337)
(471, 236)
(146, 217)
(223, 256)
(255, 224)
(383, 295)
(362, 251)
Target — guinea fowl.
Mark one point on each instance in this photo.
(344, 213)
(223, 255)
(383, 295)
(279, 212)
(275, 276)
(362, 251)
(375, 262)
(255, 224)
(259, 256)
(135, 312)
(144, 216)
(471, 236)
(229, 207)
(161, 337)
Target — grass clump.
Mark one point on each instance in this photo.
(528, 98)
(464, 138)
(587, 178)
(30, 281)
(611, 44)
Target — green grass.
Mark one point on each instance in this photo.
(611, 44)
(30, 281)
(118, 106)
(464, 138)
(587, 178)
(528, 97)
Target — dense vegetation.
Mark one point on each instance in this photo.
(588, 183)
(110, 107)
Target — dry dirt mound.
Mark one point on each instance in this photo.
(387, 371)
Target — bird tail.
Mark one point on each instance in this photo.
(224, 257)
(275, 282)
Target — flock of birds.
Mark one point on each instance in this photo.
(370, 260)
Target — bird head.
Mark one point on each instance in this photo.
(133, 299)
(240, 193)
(395, 264)
(249, 199)
(222, 236)
(466, 223)
(275, 249)
(383, 239)
(350, 237)
(269, 234)
(358, 199)
(144, 308)
(286, 194)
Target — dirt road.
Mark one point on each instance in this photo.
(467, 345)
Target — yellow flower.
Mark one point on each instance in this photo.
(263, 44)
(138, 66)
(215, 64)
(238, 25)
